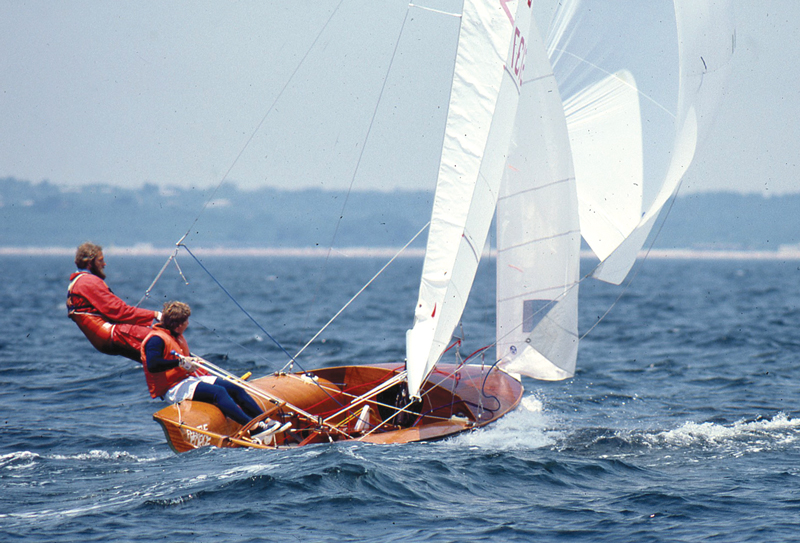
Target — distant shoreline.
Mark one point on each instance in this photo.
(784, 253)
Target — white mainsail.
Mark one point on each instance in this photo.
(538, 237)
(483, 103)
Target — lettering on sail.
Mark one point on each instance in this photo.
(518, 52)
(516, 61)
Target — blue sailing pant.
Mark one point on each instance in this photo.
(232, 400)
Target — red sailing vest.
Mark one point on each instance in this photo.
(160, 382)
(96, 329)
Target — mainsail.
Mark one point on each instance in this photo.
(491, 55)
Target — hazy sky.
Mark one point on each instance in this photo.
(170, 93)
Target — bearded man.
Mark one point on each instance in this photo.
(112, 326)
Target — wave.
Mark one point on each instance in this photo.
(527, 427)
(705, 438)
(758, 434)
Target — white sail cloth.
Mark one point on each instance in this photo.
(483, 103)
(538, 237)
(636, 112)
(636, 106)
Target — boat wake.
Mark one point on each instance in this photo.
(527, 427)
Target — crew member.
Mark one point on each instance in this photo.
(111, 325)
(172, 374)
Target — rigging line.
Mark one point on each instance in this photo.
(638, 91)
(357, 294)
(158, 276)
(358, 166)
(275, 341)
(639, 267)
(246, 145)
(590, 273)
(236, 343)
(263, 119)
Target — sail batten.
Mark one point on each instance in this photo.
(534, 189)
(569, 233)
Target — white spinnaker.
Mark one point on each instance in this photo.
(677, 68)
(483, 103)
(707, 39)
(604, 124)
(538, 237)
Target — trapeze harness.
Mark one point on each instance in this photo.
(159, 383)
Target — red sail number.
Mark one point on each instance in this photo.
(518, 55)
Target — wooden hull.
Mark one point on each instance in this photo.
(328, 406)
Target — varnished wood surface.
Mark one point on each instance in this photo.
(452, 403)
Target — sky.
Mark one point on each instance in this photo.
(189, 93)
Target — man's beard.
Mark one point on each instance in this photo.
(97, 271)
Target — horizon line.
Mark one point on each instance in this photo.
(784, 252)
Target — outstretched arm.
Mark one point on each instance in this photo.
(97, 293)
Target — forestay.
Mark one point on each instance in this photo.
(489, 65)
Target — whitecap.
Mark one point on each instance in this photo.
(102, 455)
(18, 460)
(527, 427)
(745, 436)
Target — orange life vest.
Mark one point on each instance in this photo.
(160, 382)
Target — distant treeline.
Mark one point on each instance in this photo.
(45, 214)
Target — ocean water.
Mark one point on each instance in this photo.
(681, 424)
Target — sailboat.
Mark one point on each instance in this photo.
(549, 170)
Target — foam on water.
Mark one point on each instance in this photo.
(527, 427)
(95, 455)
(749, 436)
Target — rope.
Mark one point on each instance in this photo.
(246, 145)
(357, 294)
(160, 273)
(356, 169)
(263, 119)
(275, 341)
(638, 268)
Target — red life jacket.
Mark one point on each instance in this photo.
(110, 325)
(160, 382)
(96, 329)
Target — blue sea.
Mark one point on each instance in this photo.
(681, 423)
